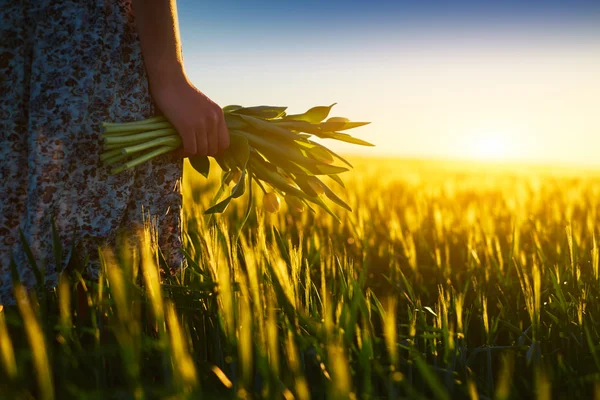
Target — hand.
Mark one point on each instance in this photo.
(198, 120)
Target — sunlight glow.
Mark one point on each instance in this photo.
(490, 147)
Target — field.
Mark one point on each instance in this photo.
(449, 280)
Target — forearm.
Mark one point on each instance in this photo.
(199, 121)
(158, 29)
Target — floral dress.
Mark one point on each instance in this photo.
(65, 67)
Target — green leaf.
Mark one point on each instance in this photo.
(231, 108)
(238, 190)
(334, 197)
(242, 154)
(201, 164)
(427, 308)
(221, 190)
(283, 248)
(31, 259)
(249, 208)
(222, 162)
(302, 182)
(320, 202)
(338, 180)
(266, 112)
(314, 115)
(342, 159)
(316, 128)
(14, 271)
(309, 144)
(234, 122)
(299, 126)
(219, 207)
(264, 173)
(431, 379)
(282, 162)
(225, 175)
(591, 347)
(286, 149)
(238, 150)
(344, 137)
(266, 127)
(319, 154)
(338, 119)
(307, 204)
(333, 126)
(533, 353)
(330, 169)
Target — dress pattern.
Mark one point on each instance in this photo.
(65, 67)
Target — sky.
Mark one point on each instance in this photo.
(492, 80)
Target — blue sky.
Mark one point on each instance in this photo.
(436, 78)
(285, 20)
(278, 20)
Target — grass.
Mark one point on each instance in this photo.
(447, 281)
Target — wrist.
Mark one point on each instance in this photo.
(166, 75)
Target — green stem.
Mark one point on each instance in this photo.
(164, 141)
(113, 146)
(115, 159)
(152, 120)
(210, 218)
(140, 137)
(143, 158)
(117, 134)
(109, 154)
(137, 127)
(260, 184)
(248, 209)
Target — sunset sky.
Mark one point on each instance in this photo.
(510, 80)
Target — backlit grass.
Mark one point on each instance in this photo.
(447, 281)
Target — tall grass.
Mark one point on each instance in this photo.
(447, 281)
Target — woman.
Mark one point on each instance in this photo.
(66, 66)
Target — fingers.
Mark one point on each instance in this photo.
(188, 140)
(213, 142)
(223, 135)
(201, 140)
(205, 134)
(217, 134)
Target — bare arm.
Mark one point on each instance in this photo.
(158, 28)
(198, 119)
